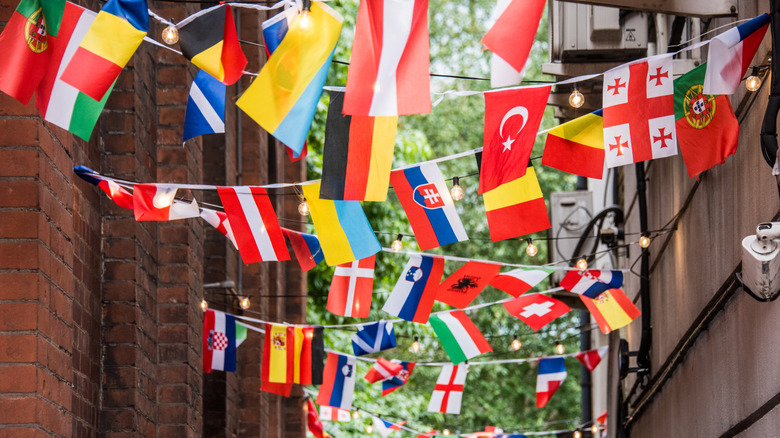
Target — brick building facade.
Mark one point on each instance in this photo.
(100, 320)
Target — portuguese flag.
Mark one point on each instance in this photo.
(707, 129)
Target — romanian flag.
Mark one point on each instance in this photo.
(344, 232)
(284, 96)
(577, 146)
(109, 43)
(209, 40)
(358, 154)
(516, 208)
(611, 310)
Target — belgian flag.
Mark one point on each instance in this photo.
(209, 40)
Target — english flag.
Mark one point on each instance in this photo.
(552, 372)
(254, 224)
(399, 379)
(383, 369)
(591, 283)
(351, 288)
(328, 413)
(155, 202)
(592, 358)
(731, 53)
(512, 118)
(413, 295)
(219, 220)
(338, 381)
(536, 310)
(373, 338)
(384, 427)
(639, 122)
(520, 281)
(448, 392)
(460, 288)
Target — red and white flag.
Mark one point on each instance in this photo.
(514, 33)
(219, 220)
(448, 392)
(592, 358)
(328, 413)
(254, 224)
(512, 118)
(155, 202)
(383, 369)
(351, 288)
(536, 310)
(519, 281)
(639, 122)
(117, 193)
(389, 69)
(460, 288)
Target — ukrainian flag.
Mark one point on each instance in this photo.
(577, 146)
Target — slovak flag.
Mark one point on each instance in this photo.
(221, 337)
(384, 427)
(592, 358)
(351, 288)
(413, 295)
(731, 53)
(383, 369)
(552, 372)
(338, 381)
(155, 202)
(373, 338)
(536, 310)
(399, 379)
(426, 200)
(592, 283)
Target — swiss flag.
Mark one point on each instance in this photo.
(536, 310)
(460, 288)
(351, 288)
(512, 118)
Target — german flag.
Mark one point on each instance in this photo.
(209, 40)
(577, 146)
(308, 355)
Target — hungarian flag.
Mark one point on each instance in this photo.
(389, 69)
(351, 288)
(536, 310)
(519, 281)
(155, 202)
(552, 372)
(592, 358)
(313, 422)
(373, 338)
(577, 146)
(221, 337)
(306, 248)
(611, 310)
(460, 288)
(338, 386)
(458, 335)
(591, 283)
(514, 33)
(399, 379)
(512, 118)
(383, 369)
(639, 111)
(731, 53)
(415, 291)
(219, 220)
(707, 129)
(448, 392)
(209, 40)
(358, 154)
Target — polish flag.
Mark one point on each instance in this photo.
(351, 288)
(219, 220)
(155, 202)
(383, 369)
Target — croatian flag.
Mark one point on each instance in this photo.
(205, 113)
(592, 283)
(426, 199)
(731, 53)
(552, 372)
(338, 381)
(373, 338)
(383, 369)
(413, 295)
(155, 202)
(399, 379)
(221, 337)
(384, 427)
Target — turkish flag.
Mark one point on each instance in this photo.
(460, 288)
(512, 119)
(536, 310)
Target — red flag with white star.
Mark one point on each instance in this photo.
(512, 118)
(639, 122)
(536, 310)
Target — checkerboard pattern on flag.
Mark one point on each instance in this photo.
(519, 281)
(373, 338)
(221, 337)
(351, 288)
(460, 288)
(552, 372)
(536, 310)
(338, 381)
(458, 335)
(383, 369)
(591, 283)
(448, 392)
(592, 358)
(399, 379)
(254, 224)
(414, 293)
(384, 427)
(639, 122)
(328, 413)
(155, 202)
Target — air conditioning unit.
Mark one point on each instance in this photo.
(570, 213)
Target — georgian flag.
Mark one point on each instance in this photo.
(373, 337)
(328, 413)
(552, 372)
(448, 392)
(592, 283)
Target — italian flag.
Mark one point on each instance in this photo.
(460, 338)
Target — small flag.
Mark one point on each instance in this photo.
(592, 358)
(342, 227)
(358, 154)
(519, 281)
(205, 113)
(284, 96)
(502, 74)
(351, 288)
(107, 46)
(313, 422)
(254, 224)
(413, 295)
(328, 413)
(459, 337)
(731, 53)
(514, 33)
(577, 146)
(611, 310)
(373, 338)
(448, 392)
(338, 384)
(306, 248)
(221, 337)
(389, 69)
(552, 372)
(209, 40)
(536, 310)
(384, 427)
(426, 200)
(602, 418)
(155, 202)
(399, 379)
(308, 355)
(591, 283)
(219, 220)
(460, 288)
(278, 353)
(383, 369)
(512, 118)
(114, 191)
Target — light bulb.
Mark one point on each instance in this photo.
(303, 208)
(305, 19)
(204, 305)
(164, 196)
(644, 241)
(576, 99)
(456, 191)
(244, 303)
(170, 35)
(594, 429)
(397, 245)
(559, 348)
(582, 264)
(531, 249)
(416, 344)
(369, 429)
(445, 432)
(356, 415)
(577, 434)
(516, 344)
(753, 82)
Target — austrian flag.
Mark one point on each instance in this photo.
(254, 224)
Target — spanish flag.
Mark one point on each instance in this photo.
(611, 310)
(577, 146)
(277, 370)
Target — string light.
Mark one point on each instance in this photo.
(753, 82)
(582, 264)
(303, 208)
(516, 344)
(244, 303)
(576, 99)
(644, 241)
(594, 429)
(445, 432)
(577, 434)
(356, 415)
(559, 348)
(397, 245)
(305, 20)
(204, 305)
(456, 191)
(369, 429)
(170, 35)
(531, 249)
(416, 345)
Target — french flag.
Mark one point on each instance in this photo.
(373, 338)
(591, 283)
(413, 295)
(306, 248)
(155, 202)
(426, 200)
(338, 381)
(383, 369)
(731, 53)
(219, 341)
(552, 372)
(384, 427)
